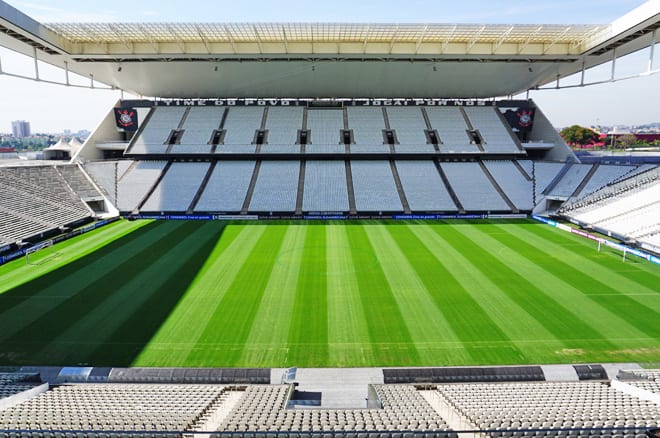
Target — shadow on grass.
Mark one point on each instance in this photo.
(104, 308)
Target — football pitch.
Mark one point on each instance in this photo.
(214, 294)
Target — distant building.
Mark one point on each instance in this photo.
(20, 128)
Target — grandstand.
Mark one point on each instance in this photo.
(628, 208)
(377, 125)
(39, 201)
(623, 407)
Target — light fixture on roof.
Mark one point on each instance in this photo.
(119, 68)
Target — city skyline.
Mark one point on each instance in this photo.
(52, 108)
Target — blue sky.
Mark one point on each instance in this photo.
(54, 108)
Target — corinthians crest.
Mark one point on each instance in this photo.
(525, 118)
(126, 119)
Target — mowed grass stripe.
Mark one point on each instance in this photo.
(181, 331)
(612, 296)
(480, 335)
(308, 334)
(266, 344)
(123, 315)
(547, 311)
(604, 271)
(348, 332)
(510, 310)
(43, 331)
(429, 329)
(224, 336)
(17, 272)
(391, 341)
(575, 305)
(30, 301)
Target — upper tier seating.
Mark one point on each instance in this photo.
(283, 124)
(153, 138)
(409, 124)
(325, 127)
(367, 125)
(496, 136)
(183, 130)
(198, 130)
(452, 129)
(240, 125)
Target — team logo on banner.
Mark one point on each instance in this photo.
(126, 119)
(520, 119)
(525, 118)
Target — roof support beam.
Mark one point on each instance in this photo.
(522, 46)
(420, 40)
(580, 44)
(149, 38)
(474, 39)
(231, 38)
(448, 39)
(500, 41)
(654, 37)
(394, 35)
(129, 45)
(258, 38)
(177, 37)
(557, 38)
(286, 43)
(203, 38)
(36, 63)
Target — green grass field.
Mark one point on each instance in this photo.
(340, 294)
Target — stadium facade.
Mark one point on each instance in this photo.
(328, 121)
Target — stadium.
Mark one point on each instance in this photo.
(328, 230)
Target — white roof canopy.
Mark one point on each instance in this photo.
(327, 59)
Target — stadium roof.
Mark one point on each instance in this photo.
(247, 38)
(327, 59)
